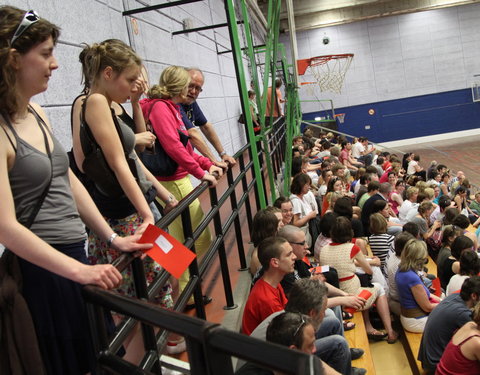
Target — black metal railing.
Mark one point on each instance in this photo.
(210, 347)
(238, 196)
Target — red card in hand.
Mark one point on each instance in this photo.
(167, 251)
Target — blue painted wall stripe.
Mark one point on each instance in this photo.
(412, 117)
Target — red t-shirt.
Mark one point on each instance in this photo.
(263, 301)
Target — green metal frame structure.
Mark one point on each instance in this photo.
(273, 53)
(270, 52)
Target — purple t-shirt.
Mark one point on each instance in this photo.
(406, 280)
(192, 115)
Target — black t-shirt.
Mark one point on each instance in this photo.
(301, 272)
(451, 314)
(445, 272)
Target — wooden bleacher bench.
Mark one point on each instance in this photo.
(357, 338)
(412, 342)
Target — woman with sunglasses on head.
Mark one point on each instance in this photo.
(44, 203)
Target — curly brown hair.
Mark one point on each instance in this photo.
(36, 33)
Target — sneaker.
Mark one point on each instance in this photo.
(356, 353)
(176, 347)
(358, 371)
(205, 299)
(167, 371)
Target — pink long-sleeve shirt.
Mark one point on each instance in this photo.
(166, 120)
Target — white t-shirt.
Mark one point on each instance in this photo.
(322, 190)
(357, 150)
(455, 283)
(411, 167)
(305, 205)
(436, 215)
(403, 210)
(412, 212)
(392, 267)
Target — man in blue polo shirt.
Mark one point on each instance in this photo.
(193, 117)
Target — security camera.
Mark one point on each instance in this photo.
(326, 40)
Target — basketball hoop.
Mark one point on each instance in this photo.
(329, 70)
(340, 117)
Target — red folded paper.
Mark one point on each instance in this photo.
(365, 294)
(167, 251)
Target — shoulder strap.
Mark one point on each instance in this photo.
(9, 139)
(467, 339)
(43, 128)
(71, 110)
(148, 123)
(88, 131)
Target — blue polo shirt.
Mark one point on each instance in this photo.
(192, 115)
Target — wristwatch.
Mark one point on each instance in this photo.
(222, 153)
(110, 240)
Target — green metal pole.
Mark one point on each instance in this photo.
(243, 91)
(270, 65)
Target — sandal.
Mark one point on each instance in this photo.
(346, 315)
(393, 340)
(376, 335)
(347, 326)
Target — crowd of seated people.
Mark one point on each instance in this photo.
(372, 220)
(322, 215)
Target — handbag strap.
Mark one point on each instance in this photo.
(44, 128)
(89, 133)
(148, 123)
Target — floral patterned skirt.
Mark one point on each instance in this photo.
(99, 252)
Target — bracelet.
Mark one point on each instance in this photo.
(222, 153)
(110, 240)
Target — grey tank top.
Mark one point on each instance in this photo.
(129, 143)
(58, 221)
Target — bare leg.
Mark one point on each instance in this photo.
(384, 312)
(368, 325)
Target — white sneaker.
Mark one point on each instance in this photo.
(167, 371)
(176, 347)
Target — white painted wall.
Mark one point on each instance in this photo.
(400, 56)
(88, 21)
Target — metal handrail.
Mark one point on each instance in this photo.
(209, 345)
(152, 341)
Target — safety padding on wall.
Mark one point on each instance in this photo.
(412, 117)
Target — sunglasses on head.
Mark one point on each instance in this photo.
(299, 243)
(303, 322)
(28, 20)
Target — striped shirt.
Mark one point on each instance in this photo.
(381, 246)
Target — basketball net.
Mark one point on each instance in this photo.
(329, 71)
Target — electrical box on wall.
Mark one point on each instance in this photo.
(187, 23)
